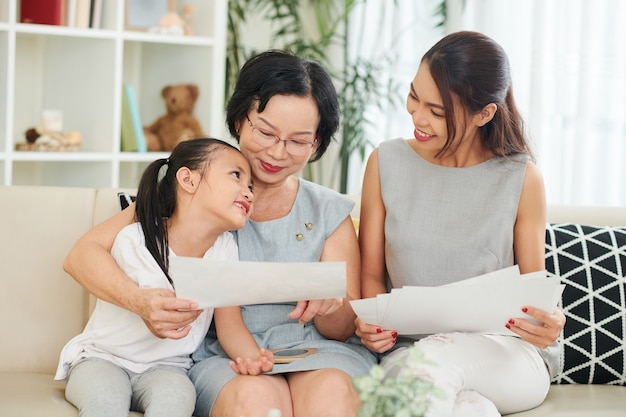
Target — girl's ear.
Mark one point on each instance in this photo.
(486, 114)
(187, 179)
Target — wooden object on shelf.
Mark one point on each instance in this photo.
(46, 147)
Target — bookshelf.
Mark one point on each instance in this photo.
(82, 71)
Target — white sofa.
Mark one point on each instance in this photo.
(43, 307)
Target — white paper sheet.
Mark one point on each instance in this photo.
(214, 283)
(479, 304)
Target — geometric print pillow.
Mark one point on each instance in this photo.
(591, 262)
(125, 199)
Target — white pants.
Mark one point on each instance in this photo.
(476, 372)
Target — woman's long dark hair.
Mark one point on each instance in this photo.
(156, 194)
(475, 68)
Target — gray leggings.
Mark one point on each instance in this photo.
(99, 388)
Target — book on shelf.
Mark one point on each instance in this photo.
(43, 12)
(83, 8)
(70, 17)
(133, 139)
(95, 14)
(84, 14)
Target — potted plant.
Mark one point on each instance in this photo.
(405, 395)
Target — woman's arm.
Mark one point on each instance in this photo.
(529, 247)
(341, 246)
(90, 263)
(372, 244)
(529, 234)
(334, 317)
(234, 337)
(372, 232)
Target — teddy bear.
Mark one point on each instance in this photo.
(178, 123)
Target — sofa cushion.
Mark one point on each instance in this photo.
(580, 401)
(38, 227)
(591, 261)
(25, 394)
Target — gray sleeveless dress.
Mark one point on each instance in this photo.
(276, 241)
(469, 211)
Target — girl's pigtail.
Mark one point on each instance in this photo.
(153, 208)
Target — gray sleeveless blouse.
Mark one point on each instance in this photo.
(447, 224)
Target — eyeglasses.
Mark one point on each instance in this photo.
(295, 147)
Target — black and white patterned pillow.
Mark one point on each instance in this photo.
(125, 199)
(591, 261)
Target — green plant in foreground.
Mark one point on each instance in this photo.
(405, 395)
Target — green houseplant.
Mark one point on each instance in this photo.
(318, 29)
(357, 81)
(405, 395)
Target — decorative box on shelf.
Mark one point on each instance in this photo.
(38, 139)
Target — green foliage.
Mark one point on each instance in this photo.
(359, 83)
(405, 395)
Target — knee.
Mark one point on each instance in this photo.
(327, 392)
(445, 349)
(335, 382)
(245, 395)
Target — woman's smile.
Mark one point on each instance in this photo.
(422, 136)
(272, 169)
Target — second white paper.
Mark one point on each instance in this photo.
(479, 304)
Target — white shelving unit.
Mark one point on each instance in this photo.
(81, 72)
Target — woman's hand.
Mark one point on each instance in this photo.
(540, 335)
(165, 315)
(264, 363)
(375, 338)
(306, 310)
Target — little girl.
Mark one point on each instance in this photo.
(186, 205)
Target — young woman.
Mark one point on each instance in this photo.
(284, 112)
(460, 199)
(117, 364)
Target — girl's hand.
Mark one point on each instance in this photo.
(306, 310)
(540, 335)
(375, 338)
(264, 363)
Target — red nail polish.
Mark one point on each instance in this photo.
(508, 326)
(394, 340)
(524, 309)
(511, 321)
(379, 330)
(394, 335)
